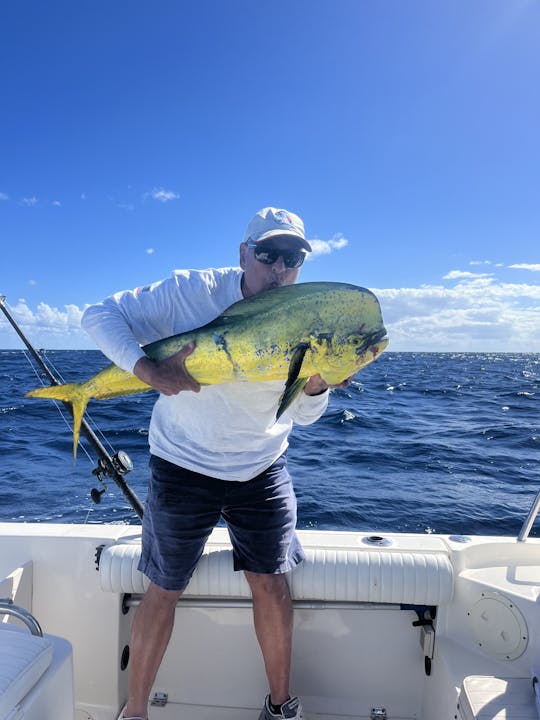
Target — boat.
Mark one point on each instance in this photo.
(393, 626)
(389, 626)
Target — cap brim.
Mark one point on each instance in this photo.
(289, 235)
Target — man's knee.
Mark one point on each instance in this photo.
(266, 584)
(159, 598)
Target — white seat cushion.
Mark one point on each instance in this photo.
(23, 660)
(332, 575)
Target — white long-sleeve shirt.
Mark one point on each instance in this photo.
(225, 431)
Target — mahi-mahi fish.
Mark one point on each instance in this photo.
(288, 333)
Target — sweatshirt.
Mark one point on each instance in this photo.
(226, 431)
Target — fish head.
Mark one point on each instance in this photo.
(368, 346)
(344, 355)
(357, 335)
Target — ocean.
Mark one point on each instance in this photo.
(420, 442)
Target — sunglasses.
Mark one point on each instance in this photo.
(269, 255)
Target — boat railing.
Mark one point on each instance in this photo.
(529, 520)
(8, 608)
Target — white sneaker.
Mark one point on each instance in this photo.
(126, 717)
(291, 710)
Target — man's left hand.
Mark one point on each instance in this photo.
(316, 385)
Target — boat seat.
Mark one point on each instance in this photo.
(331, 575)
(485, 697)
(23, 660)
(36, 677)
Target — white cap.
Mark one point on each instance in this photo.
(271, 222)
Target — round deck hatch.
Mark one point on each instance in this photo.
(498, 626)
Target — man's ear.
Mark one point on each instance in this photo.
(243, 251)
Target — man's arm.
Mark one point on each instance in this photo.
(313, 401)
(168, 376)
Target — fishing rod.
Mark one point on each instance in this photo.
(111, 466)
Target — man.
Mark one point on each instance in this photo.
(217, 447)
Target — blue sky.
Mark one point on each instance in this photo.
(139, 137)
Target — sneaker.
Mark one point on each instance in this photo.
(127, 717)
(292, 710)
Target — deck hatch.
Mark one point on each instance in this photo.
(498, 626)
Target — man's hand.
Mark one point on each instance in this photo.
(167, 376)
(316, 385)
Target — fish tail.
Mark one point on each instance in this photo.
(73, 393)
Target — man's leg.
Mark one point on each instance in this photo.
(273, 617)
(152, 628)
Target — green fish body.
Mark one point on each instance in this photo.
(288, 333)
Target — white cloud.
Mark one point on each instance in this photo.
(325, 247)
(480, 262)
(479, 315)
(150, 251)
(3, 196)
(29, 201)
(161, 195)
(45, 326)
(464, 275)
(32, 283)
(526, 266)
(56, 203)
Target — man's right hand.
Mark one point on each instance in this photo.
(167, 376)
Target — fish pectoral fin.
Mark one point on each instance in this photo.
(289, 394)
(294, 384)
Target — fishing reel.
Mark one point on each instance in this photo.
(120, 463)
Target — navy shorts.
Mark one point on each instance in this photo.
(183, 507)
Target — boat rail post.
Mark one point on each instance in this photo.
(529, 520)
(108, 464)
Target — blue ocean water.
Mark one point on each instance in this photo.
(420, 442)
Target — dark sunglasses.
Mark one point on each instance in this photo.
(269, 255)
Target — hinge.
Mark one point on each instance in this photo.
(160, 699)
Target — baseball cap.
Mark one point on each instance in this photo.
(273, 222)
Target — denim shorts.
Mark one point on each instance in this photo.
(183, 507)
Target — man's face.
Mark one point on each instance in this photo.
(259, 276)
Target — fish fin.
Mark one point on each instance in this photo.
(73, 393)
(294, 384)
(290, 394)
